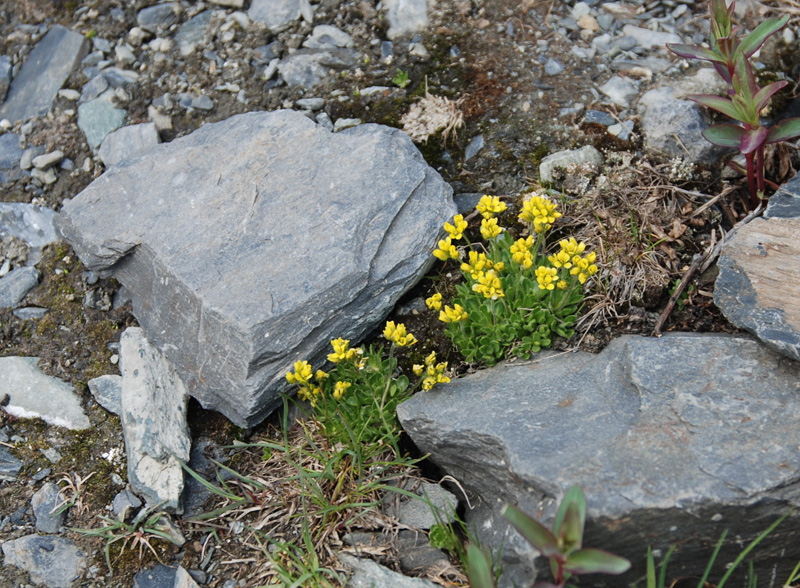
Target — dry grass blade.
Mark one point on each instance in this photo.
(71, 494)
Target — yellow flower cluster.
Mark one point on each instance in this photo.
(584, 267)
(446, 250)
(541, 212)
(434, 302)
(453, 315)
(479, 263)
(342, 351)
(302, 377)
(489, 206)
(521, 252)
(456, 230)
(546, 277)
(434, 372)
(490, 229)
(339, 389)
(489, 285)
(397, 334)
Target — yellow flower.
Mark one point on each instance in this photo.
(584, 267)
(521, 252)
(310, 393)
(418, 369)
(561, 259)
(489, 206)
(453, 315)
(302, 373)
(434, 372)
(434, 302)
(339, 389)
(489, 285)
(397, 334)
(541, 212)
(341, 350)
(320, 375)
(490, 229)
(456, 230)
(545, 276)
(562, 285)
(446, 250)
(571, 247)
(478, 263)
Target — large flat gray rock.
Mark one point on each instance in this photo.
(54, 562)
(251, 243)
(153, 416)
(673, 440)
(44, 72)
(128, 141)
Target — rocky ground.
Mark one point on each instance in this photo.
(528, 78)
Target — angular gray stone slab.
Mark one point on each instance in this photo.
(10, 152)
(54, 562)
(564, 159)
(128, 141)
(36, 395)
(158, 16)
(251, 243)
(435, 505)
(368, 574)
(16, 284)
(277, 15)
(153, 417)
(662, 434)
(44, 72)
(309, 67)
(43, 503)
(28, 222)
(99, 117)
(192, 32)
(406, 16)
(107, 391)
(9, 465)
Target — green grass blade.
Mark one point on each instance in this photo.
(711, 561)
(749, 548)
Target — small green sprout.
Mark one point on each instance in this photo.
(401, 79)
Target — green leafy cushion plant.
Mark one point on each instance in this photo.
(515, 297)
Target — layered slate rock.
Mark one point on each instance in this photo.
(672, 440)
(44, 72)
(50, 561)
(758, 287)
(153, 416)
(251, 243)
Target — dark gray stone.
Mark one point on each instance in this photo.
(159, 576)
(10, 152)
(277, 15)
(153, 417)
(154, 17)
(107, 391)
(192, 32)
(55, 562)
(9, 465)
(662, 434)
(368, 574)
(475, 145)
(16, 284)
(36, 395)
(99, 117)
(435, 505)
(93, 88)
(309, 67)
(128, 141)
(785, 203)
(124, 503)
(119, 78)
(567, 158)
(599, 117)
(43, 503)
(5, 76)
(233, 298)
(44, 72)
